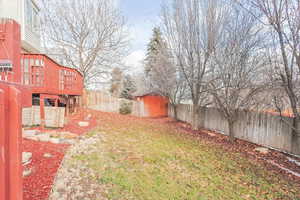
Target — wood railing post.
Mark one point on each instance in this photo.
(42, 111)
(3, 143)
(15, 143)
(10, 143)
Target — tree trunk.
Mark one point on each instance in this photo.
(296, 136)
(195, 119)
(175, 112)
(230, 129)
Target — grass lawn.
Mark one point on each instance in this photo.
(149, 159)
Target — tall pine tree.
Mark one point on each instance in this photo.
(154, 47)
(161, 71)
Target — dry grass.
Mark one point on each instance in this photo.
(148, 159)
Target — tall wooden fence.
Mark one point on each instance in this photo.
(101, 101)
(260, 128)
(105, 102)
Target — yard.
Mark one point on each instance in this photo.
(131, 158)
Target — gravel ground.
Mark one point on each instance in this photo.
(40, 172)
(74, 180)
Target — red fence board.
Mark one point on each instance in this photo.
(10, 143)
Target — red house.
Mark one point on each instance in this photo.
(23, 79)
(48, 83)
(153, 104)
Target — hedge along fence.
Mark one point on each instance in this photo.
(260, 128)
(105, 102)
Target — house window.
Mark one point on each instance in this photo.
(26, 75)
(61, 79)
(32, 16)
(38, 75)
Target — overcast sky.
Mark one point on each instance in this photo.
(142, 16)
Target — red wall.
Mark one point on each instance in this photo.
(10, 48)
(157, 106)
(49, 79)
(51, 76)
(43, 75)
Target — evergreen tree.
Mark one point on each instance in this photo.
(155, 45)
(162, 74)
(128, 88)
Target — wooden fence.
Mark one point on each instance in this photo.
(138, 109)
(105, 102)
(54, 116)
(101, 101)
(260, 128)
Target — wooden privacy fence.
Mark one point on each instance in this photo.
(101, 101)
(54, 116)
(105, 102)
(260, 128)
(138, 109)
(10, 143)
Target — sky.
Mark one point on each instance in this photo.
(142, 16)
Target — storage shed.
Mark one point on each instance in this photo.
(152, 105)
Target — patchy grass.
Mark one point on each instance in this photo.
(148, 159)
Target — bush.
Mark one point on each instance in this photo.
(125, 108)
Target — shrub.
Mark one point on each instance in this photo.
(125, 107)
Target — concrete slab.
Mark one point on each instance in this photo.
(30, 133)
(27, 172)
(83, 124)
(44, 137)
(262, 150)
(26, 158)
(47, 155)
(54, 140)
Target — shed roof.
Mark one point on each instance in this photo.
(142, 94)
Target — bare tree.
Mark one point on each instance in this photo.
(167, 80)
(162, 73)
(239, 64)
(90, 35)
(281, 19)
(192, 29)
(116, 82)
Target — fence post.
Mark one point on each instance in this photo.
(10, 143)
(15, 141)
(3, 166)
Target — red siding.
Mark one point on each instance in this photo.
(47, 77)
(10, 49)
(36, 72)
(156, 106)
